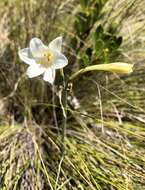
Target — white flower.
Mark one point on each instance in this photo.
(43, 59)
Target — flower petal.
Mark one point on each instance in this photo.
(49, 75)
(35, 70)
(37, 47)
(60, 62)
(25, 55)
(56, 44)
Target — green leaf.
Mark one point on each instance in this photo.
(85, 59)
(84, 3)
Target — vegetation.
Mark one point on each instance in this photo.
(103, 144)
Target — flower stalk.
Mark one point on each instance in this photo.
(64, 111)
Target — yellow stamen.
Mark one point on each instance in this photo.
(48, 55)
(47, 59)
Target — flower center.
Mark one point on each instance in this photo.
(47, 59)
(49, 56)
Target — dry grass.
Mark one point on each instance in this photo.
(105, 135)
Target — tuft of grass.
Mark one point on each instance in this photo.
(31, 157)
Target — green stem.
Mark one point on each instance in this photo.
(64, 111)
(54, 111)
(76, 74)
